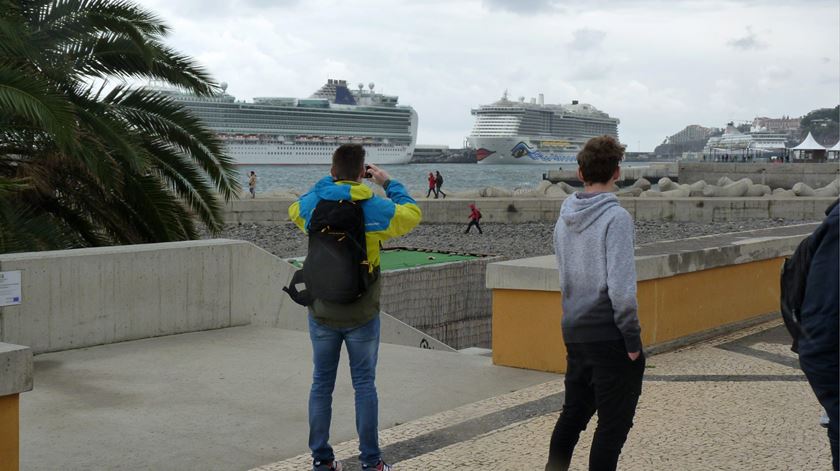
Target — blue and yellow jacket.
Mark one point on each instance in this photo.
(384, 219)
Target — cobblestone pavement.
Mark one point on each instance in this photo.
(733, 403)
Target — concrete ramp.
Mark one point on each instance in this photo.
(228, 399)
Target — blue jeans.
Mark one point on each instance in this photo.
(363, 349)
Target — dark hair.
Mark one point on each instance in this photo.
(599, 159)
(348, 161)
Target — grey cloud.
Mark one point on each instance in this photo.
(526, 7)
(586, 39)
(521, 6)
(747, 42)
(222, 8)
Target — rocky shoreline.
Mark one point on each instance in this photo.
(508, 240)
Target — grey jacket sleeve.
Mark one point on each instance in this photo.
(621, 279)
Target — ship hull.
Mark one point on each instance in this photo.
(519, 150)
(312, 154)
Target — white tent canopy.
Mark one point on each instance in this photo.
(835, 148)
(809, 144)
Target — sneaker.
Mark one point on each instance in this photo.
(333, 465)
(381, 466)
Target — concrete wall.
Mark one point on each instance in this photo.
(449, 301)
(85, 297)
(513, 211)
(814, 175)
(686, 289)
(79, 298)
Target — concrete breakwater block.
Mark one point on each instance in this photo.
(543, 186)
(631, 192)
(642, 183)
(666, 184)
(556, 191)
(696, 188)
(782, 193)
(830, 190)
(735, 189)
(723, 181)
(526, 193)
(758, 190)
(495, 192)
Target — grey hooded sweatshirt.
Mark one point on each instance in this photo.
(593, 242)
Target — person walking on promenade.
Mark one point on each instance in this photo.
(439, 183)
(432, 188)
(354, 323)
(818, 346)
(593, 243)
(252, 184)
(475, 217)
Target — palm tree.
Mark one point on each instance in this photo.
(86, 158)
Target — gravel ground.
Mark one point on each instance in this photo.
(509, 240)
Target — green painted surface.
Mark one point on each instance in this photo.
(396, 259)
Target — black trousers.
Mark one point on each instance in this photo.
(600, 377)
(431, 190)
(439, 191)
(471, 224)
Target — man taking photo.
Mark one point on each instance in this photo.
(346, 223)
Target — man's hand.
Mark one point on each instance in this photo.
(633, 355)
(378, 175)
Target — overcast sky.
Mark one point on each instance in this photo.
(657, 65)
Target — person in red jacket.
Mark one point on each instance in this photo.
(432, 188)
(475, 216)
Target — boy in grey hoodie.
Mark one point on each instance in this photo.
(593, 241)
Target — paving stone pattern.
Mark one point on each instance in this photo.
(733, 403)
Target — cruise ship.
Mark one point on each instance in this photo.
(520, 132)
(304, 131)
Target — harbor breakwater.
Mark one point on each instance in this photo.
(546, 209)
(784, 175)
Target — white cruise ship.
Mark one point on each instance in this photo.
(293, 131)
(520, 132)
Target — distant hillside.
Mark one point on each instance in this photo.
(823, 124)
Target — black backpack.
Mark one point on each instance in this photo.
(336, 268)
(793, 281)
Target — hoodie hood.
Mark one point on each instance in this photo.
(579, 213)
(328, 189)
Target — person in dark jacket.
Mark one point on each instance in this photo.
(439, 183)
(819, 350)
(475, 216)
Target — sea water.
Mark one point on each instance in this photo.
(457, 177)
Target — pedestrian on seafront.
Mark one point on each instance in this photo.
(252, 184)
(819, 349)
(475, 217)
(432, 188)
(439, 183)
(593, 243)
(355, 324)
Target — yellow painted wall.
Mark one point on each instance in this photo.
(9, 433)
(526, 324)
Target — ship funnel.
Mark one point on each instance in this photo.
(541, 99)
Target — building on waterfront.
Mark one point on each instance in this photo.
(532, 132)
(736, 146)
(833, 153)
(785, 125)
(284, 130)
